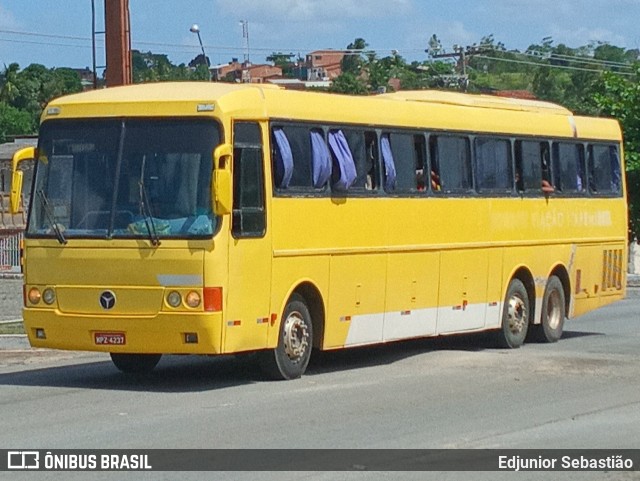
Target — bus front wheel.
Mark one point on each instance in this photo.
(290, 358)
(515, 316)
(553, 313)
(135, 363)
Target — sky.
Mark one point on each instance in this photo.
(57, 33)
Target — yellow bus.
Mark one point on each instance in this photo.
(203, 218)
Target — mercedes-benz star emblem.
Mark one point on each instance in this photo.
(107, 300)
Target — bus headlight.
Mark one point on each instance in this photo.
(49, 296)
(174, 299)
(193, 299)
(34, 295)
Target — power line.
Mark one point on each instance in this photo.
(477, 51)
(34, 42)
(539, 64)
(574, 59)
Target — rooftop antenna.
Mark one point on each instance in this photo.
(245, 39)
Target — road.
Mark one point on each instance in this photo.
(456, 392)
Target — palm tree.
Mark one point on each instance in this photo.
(8, 83)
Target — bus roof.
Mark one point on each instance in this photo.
(412, 109)
(477, 100)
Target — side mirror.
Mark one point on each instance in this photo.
(28, 153)
(222, 182)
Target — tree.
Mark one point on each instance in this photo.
(154, 67)
(31, 89)
(353, 60)
(621, 99)
(8, 82)
(285, 62)
(14, 122)
(349, 83)
(199, 60)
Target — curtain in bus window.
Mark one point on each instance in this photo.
(298, 138)
(321, 159)
(362, 158)
(454, 164)
(283, 161)
(389, 164)
(344, 169)
(493, 165)
(186, 199)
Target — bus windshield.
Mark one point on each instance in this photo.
(131, 178)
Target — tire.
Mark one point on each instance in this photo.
(135, 363)
(290, 358)
(553, 313)
(515, 316)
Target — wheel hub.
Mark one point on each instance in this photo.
(296, 336)
(517, 315)
(554, 314)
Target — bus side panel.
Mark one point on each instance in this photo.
(598, 278)
(586, 279)
(412, 295)
(356, 300)
(463, 290)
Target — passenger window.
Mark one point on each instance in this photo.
(604, 169)
(451, 164)
(248, 182)
(343, 171)
(300, 158)
(529, 166)
(291, 154)
(568, 167)
(355, 160)
(363, 146)
(409, 161)
(493, 165)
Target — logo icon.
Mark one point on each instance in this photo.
(23, 460)
(107, 300)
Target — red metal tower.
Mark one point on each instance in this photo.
(118, 42)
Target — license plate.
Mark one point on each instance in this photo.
(110, 338)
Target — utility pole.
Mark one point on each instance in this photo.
(118, 42)
(462, 54)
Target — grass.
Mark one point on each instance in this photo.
(13, 328)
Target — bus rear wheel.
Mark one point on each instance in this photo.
(135, 363)
(553, 313)
(290, 358)
(515, 316)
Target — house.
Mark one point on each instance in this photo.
(324, 64)
(244, 72)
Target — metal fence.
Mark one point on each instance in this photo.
(10, 244)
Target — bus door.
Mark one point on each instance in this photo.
(246, 320)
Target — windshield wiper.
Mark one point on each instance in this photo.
(49, 214)
(145, 207)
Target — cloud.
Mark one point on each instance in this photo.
(583, 35)
(314, 10)
(7, 20)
